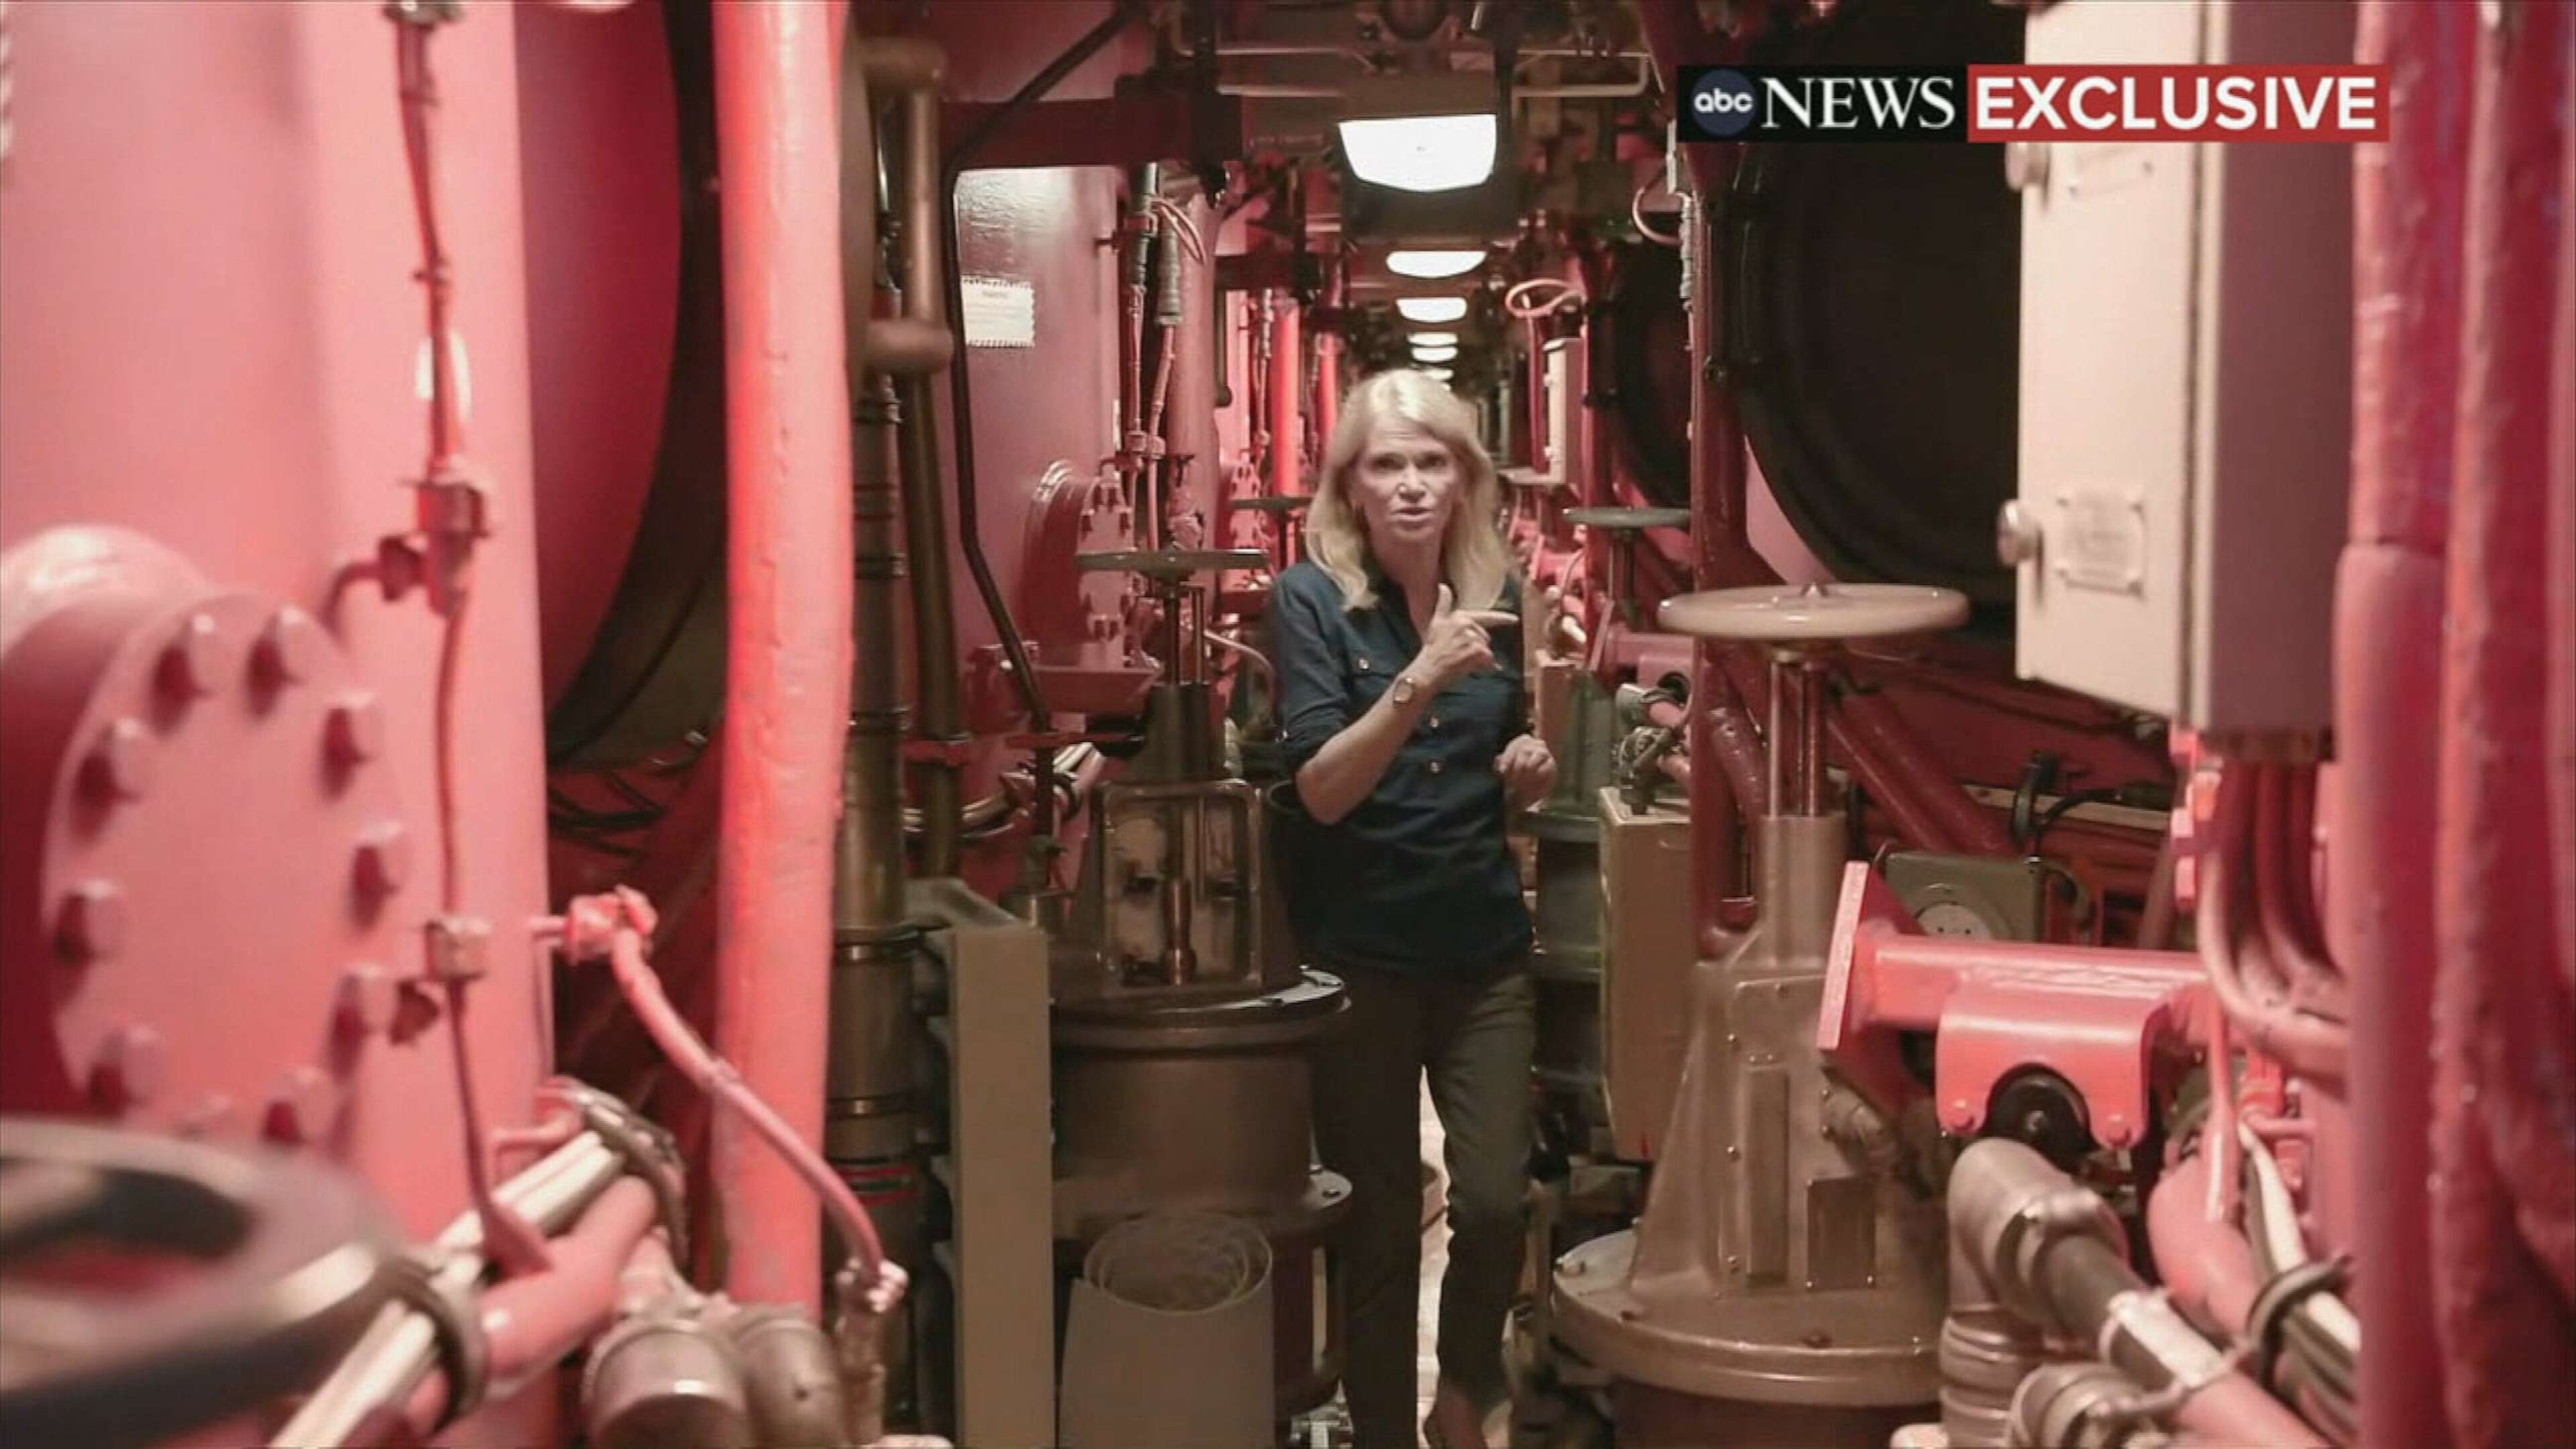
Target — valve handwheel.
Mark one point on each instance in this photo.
(259, 1269)
(1628, 520)
(1814, 614)
(1171, 565)
(1801, 624)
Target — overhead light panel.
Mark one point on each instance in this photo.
(1420, 132)
(1433, 265)
(1441, 373)
(1434, 339)
(1431, 309)
(1446, 352)
(1421, 153)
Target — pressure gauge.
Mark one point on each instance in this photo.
(1950, 918)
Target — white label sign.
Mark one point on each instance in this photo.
(1000, 313)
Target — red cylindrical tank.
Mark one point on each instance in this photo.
(215, 342)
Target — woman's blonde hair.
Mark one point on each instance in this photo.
(1473, 558)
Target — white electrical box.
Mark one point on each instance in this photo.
(2186, 387)
(1556, 450)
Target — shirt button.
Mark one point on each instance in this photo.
(1435, 767)
(1435, 721)
(1363, 661)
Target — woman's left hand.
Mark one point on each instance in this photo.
(1528, 771)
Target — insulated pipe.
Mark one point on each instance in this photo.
(1287, 377)
(787, 655)
(2504, 1028)
(2052, 1251)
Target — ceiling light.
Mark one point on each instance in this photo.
(1441, 373)
(1445, 353)
(1431, 309)
(1433, 265)
(1435, 339)
(1421, 153)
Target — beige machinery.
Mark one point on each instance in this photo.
(1784, 1284)
(1182, 1035)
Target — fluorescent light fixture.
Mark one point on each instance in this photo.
(1446, 353)
(1433, 265)
(1441, 373)
(1431, 309)
(1421, 153)
(1434, 339)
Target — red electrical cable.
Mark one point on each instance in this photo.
(615, 926)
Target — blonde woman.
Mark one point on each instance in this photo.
(1404, 726)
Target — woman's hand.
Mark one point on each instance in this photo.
(1456, 645)
(1528, 771)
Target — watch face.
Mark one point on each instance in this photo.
(1403, 690)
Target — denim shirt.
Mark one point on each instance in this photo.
(1418, 877)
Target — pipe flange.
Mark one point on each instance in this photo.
(456, 1318)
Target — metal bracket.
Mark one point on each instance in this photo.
(650, 1152)
(457, 1319)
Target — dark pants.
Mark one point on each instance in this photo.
(1473, 1035)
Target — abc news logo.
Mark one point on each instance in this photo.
(2316, 103)
(1880, 103)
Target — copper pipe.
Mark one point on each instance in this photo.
(787, 658)
(915, 69)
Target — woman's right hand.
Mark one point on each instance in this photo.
(1457, 645)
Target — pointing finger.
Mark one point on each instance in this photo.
(1445, 603)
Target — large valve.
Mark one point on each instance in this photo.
(157, 1285)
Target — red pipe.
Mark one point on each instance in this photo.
(2561, 533)
(2206, 1266)
(1730, 733)
(787, 662)
(2233, 953)
(1869, 726)
(2504, 1029)
(535, 1322)
(1286, 381)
